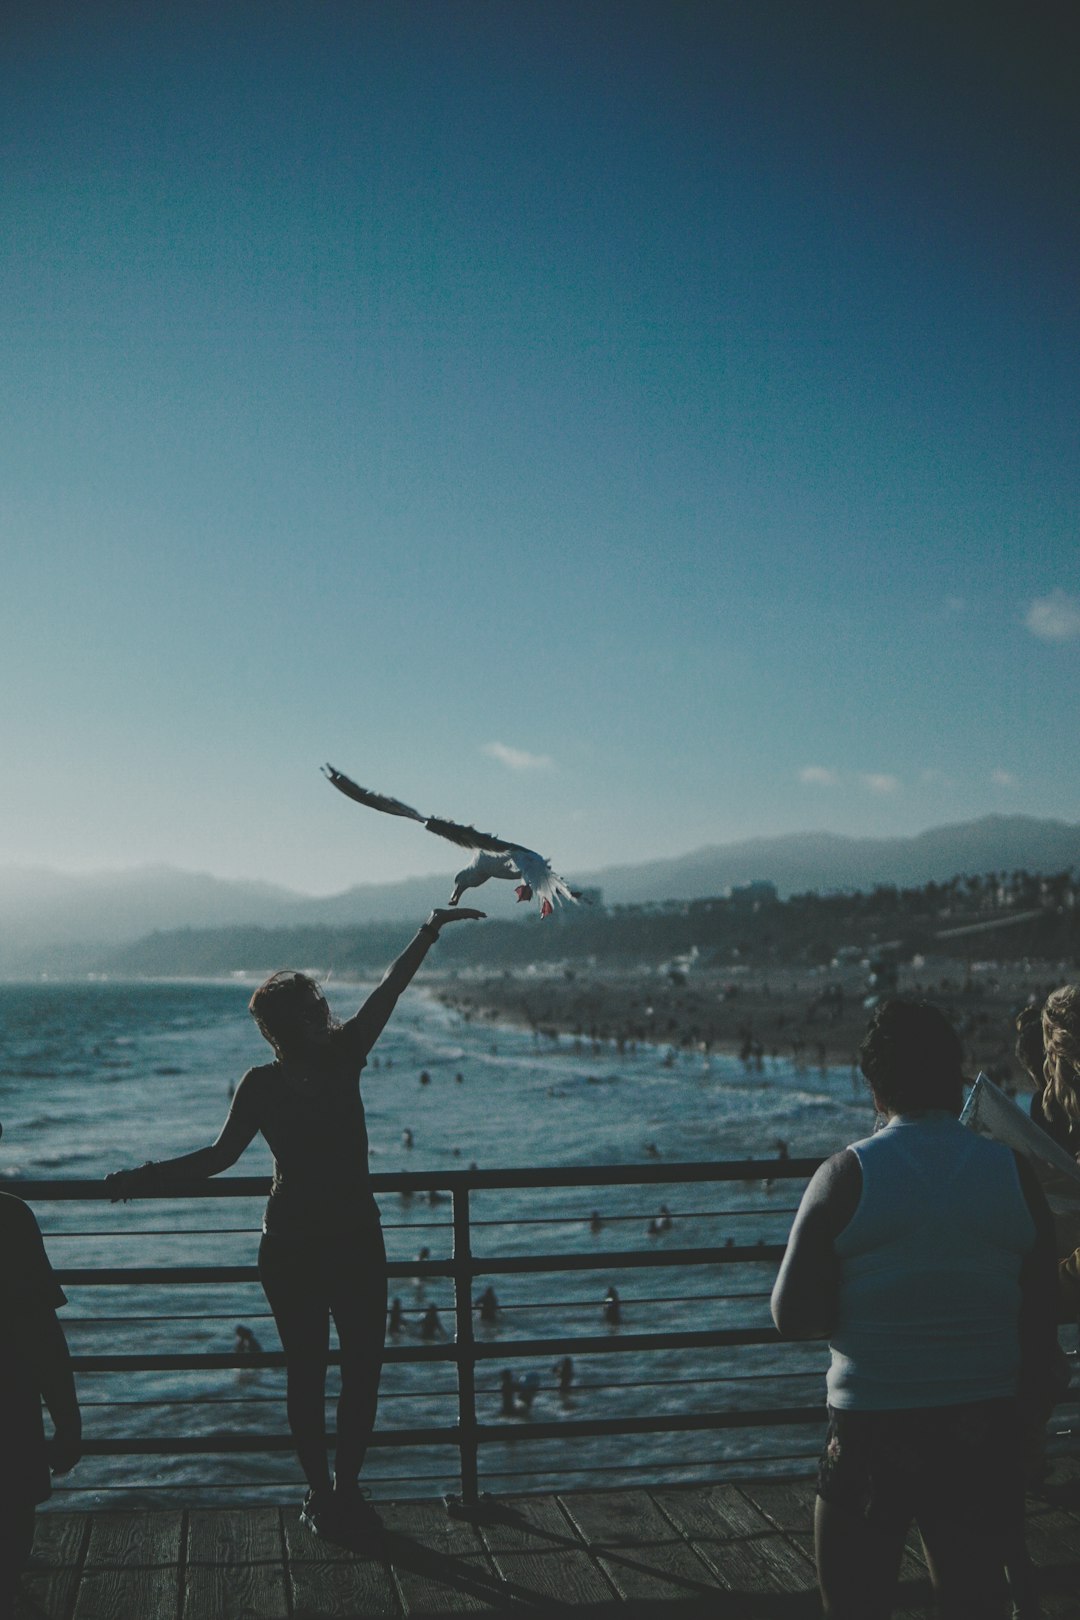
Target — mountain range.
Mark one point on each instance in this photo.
(55, 921)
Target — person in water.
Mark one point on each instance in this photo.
(322, 1252)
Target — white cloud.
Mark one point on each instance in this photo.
(879, 781)
(516, 759)
(1055, 617)
(818, 776)
(1003, 778)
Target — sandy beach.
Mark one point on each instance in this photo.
(813, 1019)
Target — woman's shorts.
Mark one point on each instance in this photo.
(949, 1465)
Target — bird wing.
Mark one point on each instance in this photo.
(468, 837)
(464, 837)
(375, 801)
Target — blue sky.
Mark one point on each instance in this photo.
(625, 426)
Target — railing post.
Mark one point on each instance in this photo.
(466, 1362)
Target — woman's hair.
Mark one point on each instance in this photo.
(1029, 1049)
(1061, 1049)
(283, 1004)
(912, 1057)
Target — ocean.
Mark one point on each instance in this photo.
(95, 1076)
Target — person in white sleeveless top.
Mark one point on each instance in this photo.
(925, 1255)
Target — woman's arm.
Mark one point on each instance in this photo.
(365, 1027)
(238, 1130)
(804, 1296)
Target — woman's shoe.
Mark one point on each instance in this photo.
(319, 1513)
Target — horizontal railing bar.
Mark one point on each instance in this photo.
(668, 1423)
(674, 1423)
(610, 1175)
(483, 1350)
(626, 1259)
(641, 1216)
(727, 1463)
(478, 1266)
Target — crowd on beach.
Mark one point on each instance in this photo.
(807, 1018)
(924, 1254)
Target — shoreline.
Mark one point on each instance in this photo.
(813, 1020)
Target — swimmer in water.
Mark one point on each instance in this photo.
(488, 1305)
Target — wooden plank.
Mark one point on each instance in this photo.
(328, 1579)
(1050, 1535)
(744, 1551)
(440, 1565)
(234, 1536)
(643, 1556)
(326, 1591)
(134, 1539)
(790, 1506)
(235, 1565)
(59, 1539)
(236, 1592)
(49, 1583)
(128, 1594)
(536, 1551)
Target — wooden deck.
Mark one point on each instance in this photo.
(722, 1551)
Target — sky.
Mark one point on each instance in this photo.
(623, 426)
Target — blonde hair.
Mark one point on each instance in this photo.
(1061, 1049)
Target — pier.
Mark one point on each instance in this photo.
(734, 1551)
(677, 1481)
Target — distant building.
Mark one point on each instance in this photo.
(752, 896)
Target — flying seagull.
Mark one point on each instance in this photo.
(493, 857)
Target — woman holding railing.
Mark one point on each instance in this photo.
(322, 1252)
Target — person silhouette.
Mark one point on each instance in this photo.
(35, 1366)
(322, 1253)
(488, 1305)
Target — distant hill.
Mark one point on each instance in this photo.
(824, 861)
(58, 922)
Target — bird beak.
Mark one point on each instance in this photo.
(455, 897)
(523, 892)
(546, 909)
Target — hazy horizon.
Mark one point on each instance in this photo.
(628, 429)
(440, 872)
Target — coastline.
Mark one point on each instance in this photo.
(810, 1019)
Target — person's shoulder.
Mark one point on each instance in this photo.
(353, 1040)
(253, 1086)
(17, 1218)
(262, 1074)
(834, 1190)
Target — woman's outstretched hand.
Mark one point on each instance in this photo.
(447, 914)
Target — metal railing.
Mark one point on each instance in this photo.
(466, 1351)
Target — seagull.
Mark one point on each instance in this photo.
(493, 857)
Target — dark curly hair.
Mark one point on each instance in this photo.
(912, 1057)
(282, 1005)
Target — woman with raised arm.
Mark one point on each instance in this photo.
(322, 1252)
